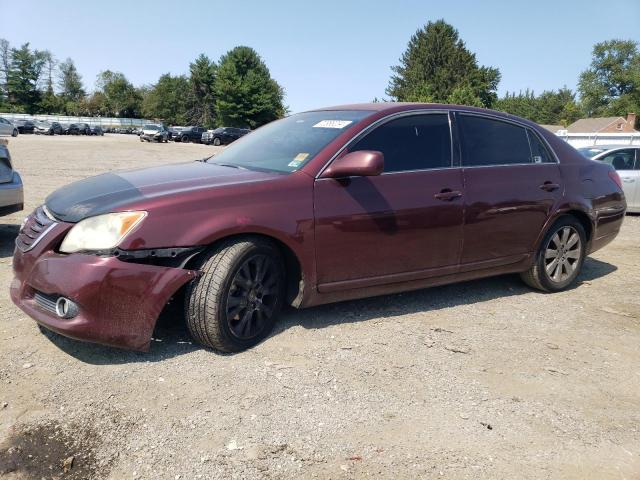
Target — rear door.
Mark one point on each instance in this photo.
(512, 182)
(626, 164)
(405, 224)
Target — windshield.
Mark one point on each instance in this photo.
(286, 145)
(591, 152)
(151, 127)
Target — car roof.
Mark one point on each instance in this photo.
(394, 107)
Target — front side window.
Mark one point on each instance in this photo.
(416, 142)
(288, 144)
(487, 142)
(620, 159)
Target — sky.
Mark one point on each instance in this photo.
(324, 52)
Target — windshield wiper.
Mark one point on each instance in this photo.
(229, 165)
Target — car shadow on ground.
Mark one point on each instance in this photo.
(8, 234)
(171, 337)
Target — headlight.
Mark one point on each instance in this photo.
(102, 232)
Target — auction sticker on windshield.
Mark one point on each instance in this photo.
(332, 124)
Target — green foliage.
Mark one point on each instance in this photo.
(201, 101)
(70, 82)
(246, 94)
(120, 98)
(167, 100)
(551, 107)
(611, 85)
(437, 67)
(22, 78)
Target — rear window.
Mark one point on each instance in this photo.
(487, 142)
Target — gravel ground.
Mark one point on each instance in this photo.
(485, 379)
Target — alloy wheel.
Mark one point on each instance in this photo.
(253, 296)
(562, 255)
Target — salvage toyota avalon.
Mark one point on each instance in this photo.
(328, 205)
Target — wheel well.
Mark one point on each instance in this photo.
(294, 279)
(584, 220)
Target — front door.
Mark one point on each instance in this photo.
(511, 185)
(402, 225)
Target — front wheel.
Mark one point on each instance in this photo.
(560, 257)
(236, 301)
(217, 142)
(184, 139)
(14, 133)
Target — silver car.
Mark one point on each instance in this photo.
(8, 128)
(626, 161)
(11, 195)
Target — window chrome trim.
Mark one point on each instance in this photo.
(515, 122)
(386, 119)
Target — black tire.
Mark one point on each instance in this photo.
(230, 297)
(14, 133)
(217, 142)
(184, 139)
(550, 272)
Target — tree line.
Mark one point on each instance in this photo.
(437, 67)
(237, 91)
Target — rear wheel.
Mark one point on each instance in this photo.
(559, 258)
(236, 301)
(14, 133)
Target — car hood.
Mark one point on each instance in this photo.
(112, 192)
(151, 132)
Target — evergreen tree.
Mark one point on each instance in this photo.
(202, 99)
(70, 82)
(22, 79)
(437, 67)
(247, 96)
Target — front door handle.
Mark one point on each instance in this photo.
(628, 179)
(549, 186)
(447, 195)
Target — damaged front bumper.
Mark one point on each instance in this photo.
(116, 302)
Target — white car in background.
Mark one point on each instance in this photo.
(626, 161)
(8, 128)
(11, 192)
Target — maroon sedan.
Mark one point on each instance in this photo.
(322, 206)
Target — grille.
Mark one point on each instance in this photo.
(46, 302)
(35, 227)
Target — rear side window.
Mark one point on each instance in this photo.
(492, 142)
(415, 142)
(539, 151)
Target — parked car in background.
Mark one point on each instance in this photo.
(79, 129)
(11, 191)
(223, 135)
(8, 128)
(96, 130)
(25, 126)
(388, 197)
(174, 132)
(154, 133)
(190, 134)
(43, 127)
(626, 160)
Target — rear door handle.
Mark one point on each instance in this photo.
(549, 186)
(447, 195)
(628, 179)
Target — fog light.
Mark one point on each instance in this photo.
(65, 308)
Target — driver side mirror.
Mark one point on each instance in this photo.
(363, 163)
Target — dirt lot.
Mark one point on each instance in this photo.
(485, 379)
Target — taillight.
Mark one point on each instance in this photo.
(613, 175)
